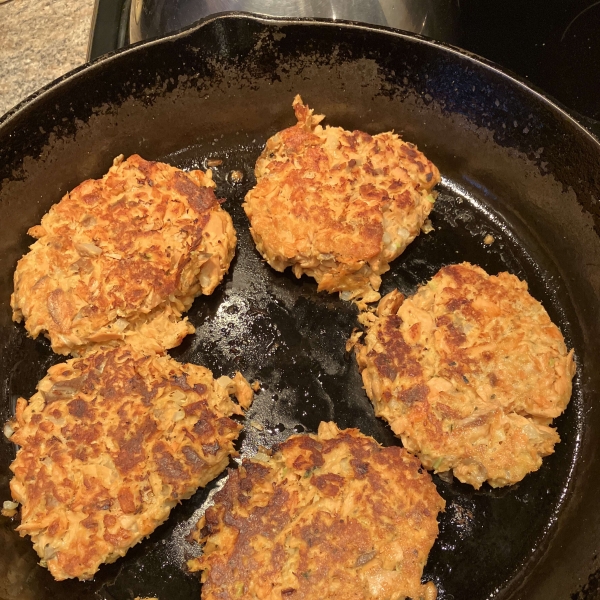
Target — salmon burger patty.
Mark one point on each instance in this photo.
(325, 516)
(469, 372)
(338, 205)
(122, 257)
(109, 444)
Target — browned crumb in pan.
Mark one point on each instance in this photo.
(333, 515)
(338, 205)
(122, 257)
(469, 372)
(109, 444)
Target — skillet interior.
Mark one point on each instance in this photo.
(513, 165)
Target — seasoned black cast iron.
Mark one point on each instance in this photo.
(514, 166)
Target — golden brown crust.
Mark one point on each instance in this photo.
(122, 257)
(109, 444)
(332, 515)
(469, 372)
(338, 205)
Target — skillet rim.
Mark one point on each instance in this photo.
(505, 73)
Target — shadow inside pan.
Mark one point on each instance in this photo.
(275, 328)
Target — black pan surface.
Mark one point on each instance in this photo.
(514, 166)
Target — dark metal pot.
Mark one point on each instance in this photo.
(433, 18)
(514, 165)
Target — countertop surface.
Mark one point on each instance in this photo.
(40, 40)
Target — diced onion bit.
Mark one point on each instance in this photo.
(236, 176)
(214, 162)
(121, 324)
(64, 390)
(427, 227)
(10, 505)
(8, 430)
(446, 476)
(88, 249)
(363, 559)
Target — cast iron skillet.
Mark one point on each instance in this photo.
(514, 165)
